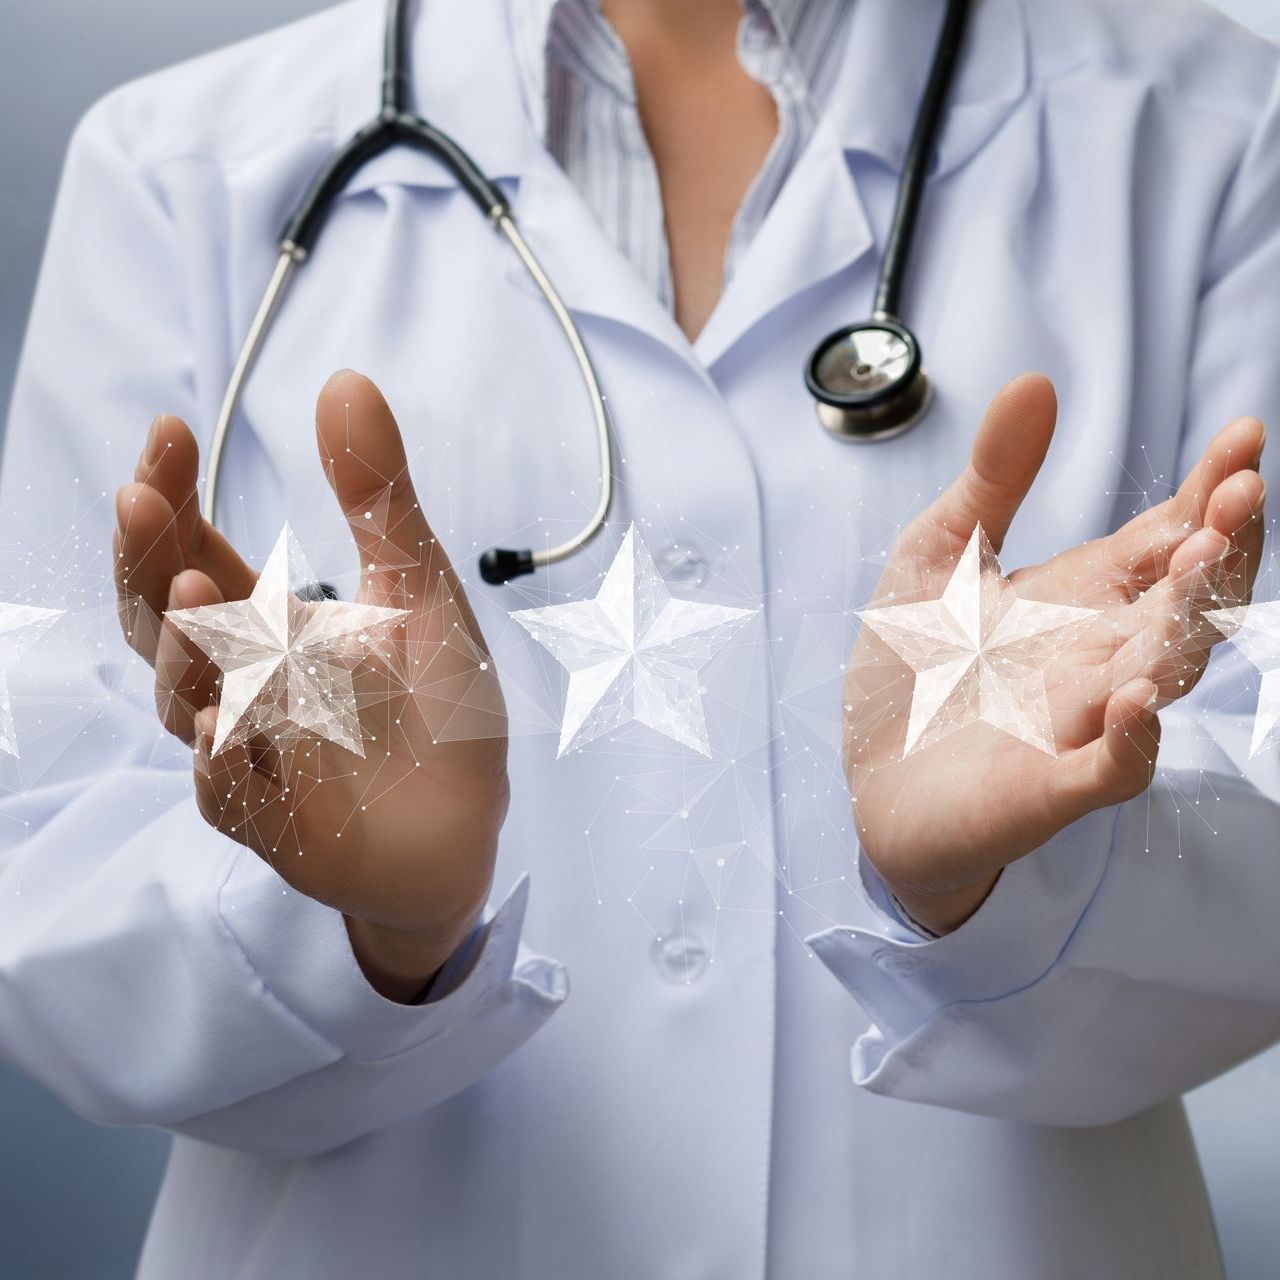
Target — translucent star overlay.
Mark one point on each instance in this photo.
(634, 652)
(21, 625)
(286, 662)
(978, 653)
(1255, 630)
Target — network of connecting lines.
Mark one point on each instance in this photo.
(338, 705)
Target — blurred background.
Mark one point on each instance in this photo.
(74, 1198)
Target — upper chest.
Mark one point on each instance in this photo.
(1026, 257)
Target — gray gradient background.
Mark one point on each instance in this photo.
(74, 1198)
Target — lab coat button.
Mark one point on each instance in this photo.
(680, 958)
(680, 564)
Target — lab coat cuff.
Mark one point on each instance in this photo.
(300, 956)
(902, 979)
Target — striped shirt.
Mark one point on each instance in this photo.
(577, 85)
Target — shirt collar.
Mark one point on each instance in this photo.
(547, 30)
(570, 32)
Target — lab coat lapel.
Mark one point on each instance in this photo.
(590, 273)
(816, 228)
(466, 83)
(818, 225)
(886, 64)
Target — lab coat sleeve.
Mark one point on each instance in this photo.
(1137, 954)
(152, 971)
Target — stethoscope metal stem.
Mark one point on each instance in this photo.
(291, 256)
(599, 410)
(866, 378)
(286, 263)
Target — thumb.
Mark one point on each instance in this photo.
(1008, 451)
(363, 456)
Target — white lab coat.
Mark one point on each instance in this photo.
(1106, 208)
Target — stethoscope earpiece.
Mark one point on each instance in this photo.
(867, 380)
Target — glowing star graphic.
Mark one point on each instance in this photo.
(978, 653)
(286, 662)
(634, 652)
(21, 625)
(1255, 630)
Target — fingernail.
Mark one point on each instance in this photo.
(151, 450)
(173, 593)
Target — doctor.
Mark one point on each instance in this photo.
(593, 1016)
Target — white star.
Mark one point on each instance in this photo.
(634, 652)
(1255, 630)
(21, 625)
(286, 663)
(978, 653)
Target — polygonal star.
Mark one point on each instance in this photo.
(634, 652)
(286, 662)
(1255, 630)
(21, 625)
(978, 652)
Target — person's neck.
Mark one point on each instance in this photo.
(690, 29)
(709, 127)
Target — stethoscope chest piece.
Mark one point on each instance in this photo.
(867, 380)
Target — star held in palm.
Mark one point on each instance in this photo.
(978, 652)
(1255, 630)
(21, 625)
(286, 662)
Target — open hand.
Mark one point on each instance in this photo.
(941, 821)
(402, 841)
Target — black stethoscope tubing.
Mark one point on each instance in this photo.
(886, 405)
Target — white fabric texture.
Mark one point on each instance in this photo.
(1102, 207)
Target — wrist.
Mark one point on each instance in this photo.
(399, 963)
(937, 912)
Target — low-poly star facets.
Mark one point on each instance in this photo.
(978, 653)
(21, 626)
(1255, 630)
(634, 652)
(286, 663)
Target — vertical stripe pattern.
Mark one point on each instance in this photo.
(577, 85)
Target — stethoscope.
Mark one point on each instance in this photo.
(867, 378)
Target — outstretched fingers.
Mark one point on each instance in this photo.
(1172, 639)
(1119, 763)
(146, 558)
(170, 465)
(1008, 451)
(1236, 510)
(240, 791)
(159, 533)
(363, 455)
(185, 679)
(1141, 550)
(403, 565)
